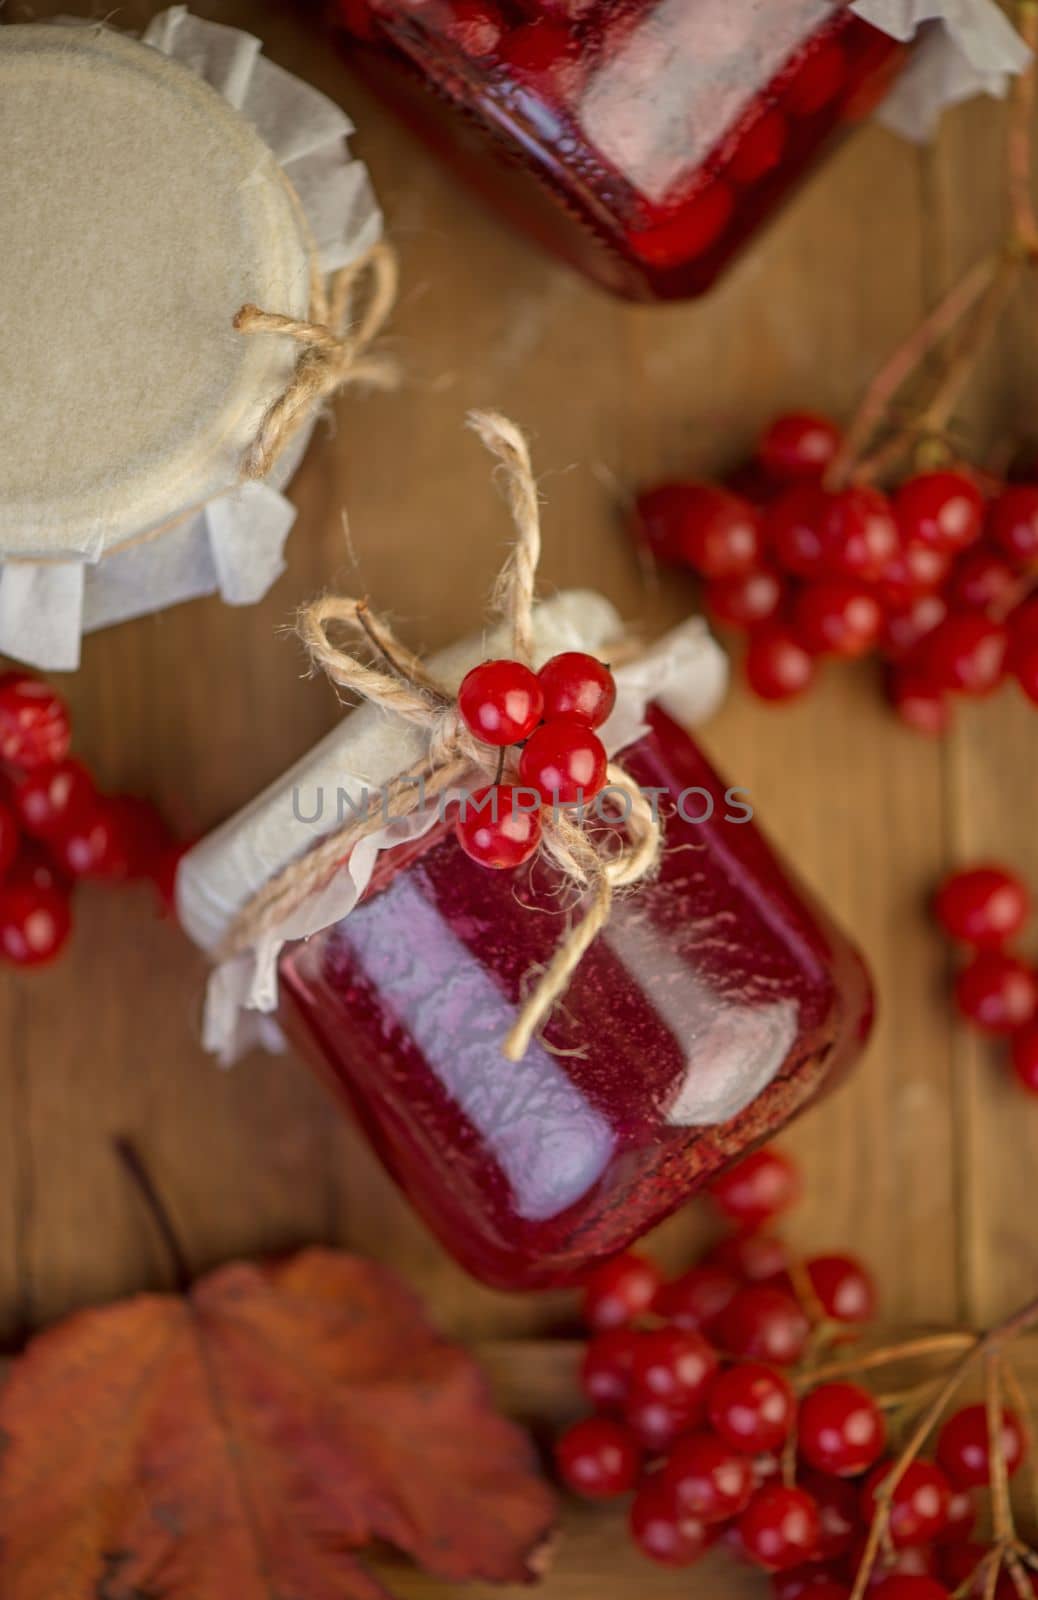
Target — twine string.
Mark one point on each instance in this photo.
(336, 347)
(401, 683)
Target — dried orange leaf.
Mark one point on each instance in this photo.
(242, 1442)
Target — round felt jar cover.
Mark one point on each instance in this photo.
(149, 189)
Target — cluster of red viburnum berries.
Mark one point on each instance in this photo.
(702, 1419)
(56, 826)
(937, 579)
(550, 717)
(984, 908)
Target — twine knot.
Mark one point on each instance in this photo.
(336, 347)
(400, 682)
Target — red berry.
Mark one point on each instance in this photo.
(919, 1508)
(564, 762)
(919, 1561)
(819, 79)
(757, 1188)
(656, 1424)
(474, 26)
(51, 800)
(494, 830)
(960, 1562)
(997, 993)
(780, 1528)
(34, 723)
(34, 868)
(144, 837)
(982, 906)
(697, 1298)
(758, 152)
(690, 231)
(92, 844)
(840, 1429)
(906, 626)
(756, 1257)
(912, 570)
(763, 1324)
(721, 536)
(500, 702)
(676, 1366)
(982, 579)
(598, 1458)
(1024, 1053)
(751, 1407)
(843, 1287)
(662, 1531)
(576, 686)
(35, 922)
(962, 1447)
(941, 509)
(9, 838)
(962, 1514)
(659, 519)
(1023, 651)
(919, 702)
(545, 58)
(859, 536)
(777, 665)
(620, 1291)
(837, 1500)
(816, 1579)
(966, 653)
(356, 16)
(793, 530)
(838, 617)
(708, 1479)
(798, 447)
(605, 1375)
(748, 601)
(1013, 523)
(905, 1587)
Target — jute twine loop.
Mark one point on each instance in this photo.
(400, 682)
(336, 347)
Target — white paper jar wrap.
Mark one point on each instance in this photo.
(686, 672)
(148, 189)
(968, 47)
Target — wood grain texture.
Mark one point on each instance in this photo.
(925, 1161)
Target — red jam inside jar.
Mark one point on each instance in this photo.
(718, 1002)
(644, 141)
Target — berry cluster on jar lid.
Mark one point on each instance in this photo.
(547, 721)
(56, 827)
(938, 579)
(984, 908)
(704, 1414)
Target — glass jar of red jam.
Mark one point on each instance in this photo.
(644, 141)
(719, 1001)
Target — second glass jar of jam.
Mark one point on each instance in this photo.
(644, 141)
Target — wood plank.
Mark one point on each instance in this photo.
(204, 704)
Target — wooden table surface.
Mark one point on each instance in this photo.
(925, 1162)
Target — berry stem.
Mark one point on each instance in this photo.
(905, 361)
(981, 1345)
(144, 1183)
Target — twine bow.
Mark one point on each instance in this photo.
(401, 683)
(336, 348)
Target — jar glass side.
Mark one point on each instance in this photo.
(645, 142)
(718, 1002)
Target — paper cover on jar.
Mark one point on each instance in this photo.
(151, 188)
(686, 672)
